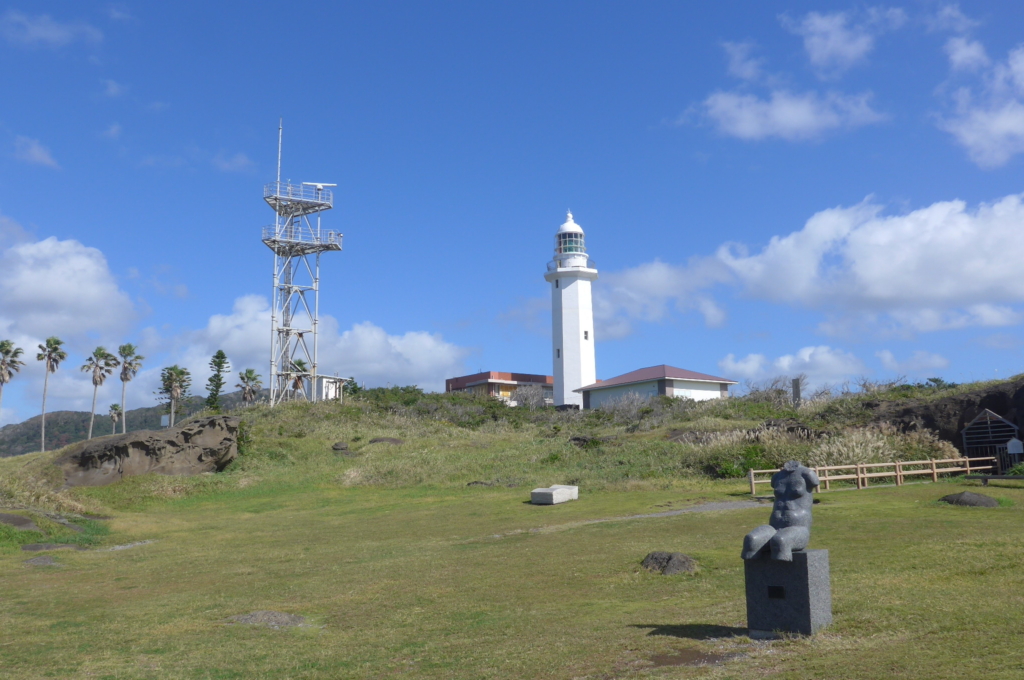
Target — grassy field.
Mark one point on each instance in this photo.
(402, 570)
(455, 583)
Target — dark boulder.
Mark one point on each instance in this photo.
(667, 563)
(972, 500)
(206, 445)
(340, 446)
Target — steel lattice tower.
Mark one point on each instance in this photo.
(297, 242)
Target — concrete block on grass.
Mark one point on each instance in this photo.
(788, 597)
(553, 495)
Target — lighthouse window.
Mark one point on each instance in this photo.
(558, 354)
(570, 243)
(586, 335)
(556, 283)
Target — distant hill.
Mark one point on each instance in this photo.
(68, 427)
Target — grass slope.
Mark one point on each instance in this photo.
(403, 570)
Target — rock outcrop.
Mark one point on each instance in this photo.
(949, 415)
(206, 445)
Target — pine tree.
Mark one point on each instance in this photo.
(220, 366)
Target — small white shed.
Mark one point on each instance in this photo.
(653, 381)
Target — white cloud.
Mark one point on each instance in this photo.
(836, 41)
(113, 131)
(919, 362)
(965, 54)
(950, 18)
(31, 151)
(11, 232)
(821, 364)
(989, 123)
(650, 291)
(112, 88)
(236, 163)
(790, 116)
(364, 351)
(741, 64)
(942, 266)
(18, 28)
(61, 288)
(119, 12)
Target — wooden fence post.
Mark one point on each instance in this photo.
(967, 462)
(753, 487)
(899, 473)
(935, 474)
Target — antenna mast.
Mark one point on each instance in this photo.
(297, 242)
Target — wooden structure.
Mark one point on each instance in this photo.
(862, 474)
(987, 436)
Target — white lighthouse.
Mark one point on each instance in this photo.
(572, 314)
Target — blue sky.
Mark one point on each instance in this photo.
(767, 188)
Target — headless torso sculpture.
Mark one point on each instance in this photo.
(789, 528)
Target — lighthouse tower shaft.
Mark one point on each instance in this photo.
(570, 274)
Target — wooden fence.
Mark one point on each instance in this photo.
(862, 474)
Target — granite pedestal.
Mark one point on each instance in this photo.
(788, 597)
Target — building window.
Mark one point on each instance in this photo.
(556, 283)
(586, 335)
(558, 354)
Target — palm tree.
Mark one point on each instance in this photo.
(174, 384)
(131, 364)
(251, 383)
(51, 354)
(299, 380)
(115, 415)
(100, 363)
(10, 363)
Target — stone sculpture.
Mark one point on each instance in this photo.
(789, 528)
(787, 586)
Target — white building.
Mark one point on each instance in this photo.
(572, 314)
(667, 381)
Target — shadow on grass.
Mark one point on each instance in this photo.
(692, 631)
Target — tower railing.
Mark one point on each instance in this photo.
(301, 234)
(306, 193)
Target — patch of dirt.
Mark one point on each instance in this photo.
(706, 507)
(43, 561)
(129, 545)
(386, 440)
(38, 547)
(270, 619)
(690, 657)
(89, 515)
(18, 522)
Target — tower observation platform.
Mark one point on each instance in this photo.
(291, 235)
(297, 242)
